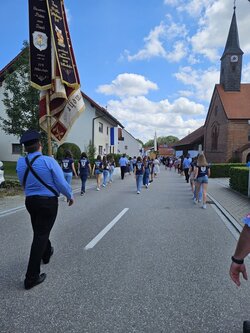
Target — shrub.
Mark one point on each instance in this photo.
(239, 179)
(75, 150)
(116, 157)
(222, 170)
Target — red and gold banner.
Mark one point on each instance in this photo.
(63, 99)
(62, 43)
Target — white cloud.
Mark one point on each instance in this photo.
(142, 117)
(153, 46)
(156, 40)
(179, 52)
(201, 82)
(246, 73)
(128, 84)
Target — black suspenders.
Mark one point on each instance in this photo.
(29, 168)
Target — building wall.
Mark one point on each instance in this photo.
(216, 116)
(102, 139)
(237, 137)
(6, 140)
(233, 134)
(130, 146)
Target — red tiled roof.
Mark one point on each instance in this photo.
(236, 103)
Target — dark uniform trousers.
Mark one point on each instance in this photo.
(123, 170)
(186, 170)
(43, 212)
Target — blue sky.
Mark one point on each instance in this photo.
(152, 63)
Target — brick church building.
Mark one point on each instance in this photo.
(225, 135)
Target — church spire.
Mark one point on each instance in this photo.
(231, 60)
(233, 44)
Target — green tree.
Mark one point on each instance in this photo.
(72, 147)
(162, 140)
(167, 139)
(149, 143)
(21, 101)
(91, 152)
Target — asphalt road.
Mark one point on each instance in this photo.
(161, 265)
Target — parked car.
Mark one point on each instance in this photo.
(2, 180)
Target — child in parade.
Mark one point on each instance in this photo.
(111, 168)
(138, 171)
(146, 162)
(68, 167)
(202, 172)
(97, 171)
(106, 167)
(84, 169)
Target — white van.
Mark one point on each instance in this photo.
(2, 180)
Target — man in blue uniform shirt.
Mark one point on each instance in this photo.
(43, 180)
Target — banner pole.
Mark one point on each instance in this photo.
(48, 125)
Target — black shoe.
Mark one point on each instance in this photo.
(28, 284)
(47, 259)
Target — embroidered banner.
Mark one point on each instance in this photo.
(62, 43)
(40, 45)
(62, 99)
(65, 105)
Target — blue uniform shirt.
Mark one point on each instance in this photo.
(123, 161)
(51, 173)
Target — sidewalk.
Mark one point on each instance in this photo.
(236, 205)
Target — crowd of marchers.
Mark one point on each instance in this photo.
(196, 171)
(144, 168)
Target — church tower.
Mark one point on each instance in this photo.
(231, 60)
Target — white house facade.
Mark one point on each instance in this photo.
(129, 145)
(92, 126)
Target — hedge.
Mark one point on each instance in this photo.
(222, 170)
(239, 179)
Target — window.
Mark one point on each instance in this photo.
(215, 135)
(16, 149)
(216, 110)
(107, 131)
(101, 127)
(100, 150)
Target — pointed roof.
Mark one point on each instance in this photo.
(236, 104)
(233, 44)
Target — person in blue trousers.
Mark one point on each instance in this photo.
(84, 170)
(68, 167)
(111, 168)
(105, 164)
(146, 162)
(139, 171)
